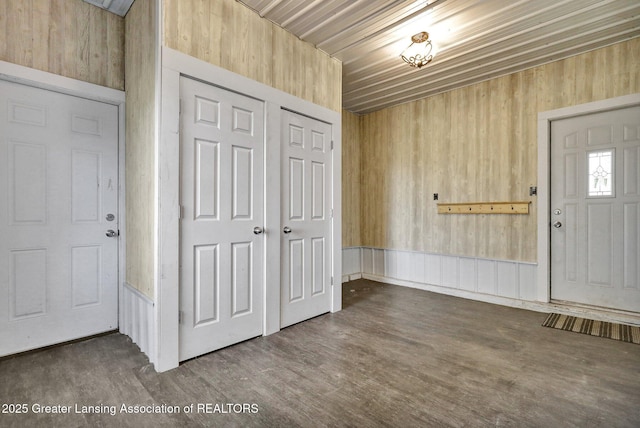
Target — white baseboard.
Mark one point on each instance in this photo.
(137, 320)
(487, 298)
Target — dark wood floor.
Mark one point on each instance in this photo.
(394, 357)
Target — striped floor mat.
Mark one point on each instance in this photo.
(623, 332)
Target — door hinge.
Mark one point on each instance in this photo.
(331, 144)
(331, 280)
(180, 317)
(331, 213)
(180, 212)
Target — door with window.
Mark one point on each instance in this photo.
(595, 209)
(306, 218)
(58, 217)
(222, 240)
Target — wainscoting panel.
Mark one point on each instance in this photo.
(507, 280)
(468, 274)
(450, 272)
(351, 264)
(137, 320)
(487, 277)
(469, 277)
(502, 282)
(527, 281)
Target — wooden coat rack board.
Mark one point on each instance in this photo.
(521, 207)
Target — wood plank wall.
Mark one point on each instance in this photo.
(70, 38)
(230, 35)
(351, 169)
(477, 143)
(140, 138)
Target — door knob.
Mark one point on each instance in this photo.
(258, 230)
(111, 233)
(557, 225)
(286, 229)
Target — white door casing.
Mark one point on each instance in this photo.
(58, 183)
(595, 209)
(306, 218)
(222, 239)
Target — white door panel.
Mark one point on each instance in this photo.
(221, 279)
(595, 200)
(306, 212)
(58, 181)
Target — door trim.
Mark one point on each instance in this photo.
(544, 178)
(175, 64)
(66, 85)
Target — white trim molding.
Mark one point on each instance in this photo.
(65, 85)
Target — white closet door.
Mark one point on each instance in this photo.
(595, 204)
(221, 279)
(306, 218)
(59, 193)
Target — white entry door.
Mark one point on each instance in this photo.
(222, 243)
(58, 199)
(595, 209)
(306, 218)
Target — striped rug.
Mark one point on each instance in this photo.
(623, 332)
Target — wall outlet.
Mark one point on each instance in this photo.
(435, 196)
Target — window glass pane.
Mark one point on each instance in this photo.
(600, 180)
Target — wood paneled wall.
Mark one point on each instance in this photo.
(477, 143)
(230, 35)
(140, 144)
(351, 169)
(70, 38)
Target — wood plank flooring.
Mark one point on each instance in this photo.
(394, 357)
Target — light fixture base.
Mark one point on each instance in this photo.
(421, 37)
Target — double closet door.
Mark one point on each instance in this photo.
(222, 227)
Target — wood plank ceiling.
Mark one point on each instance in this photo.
(474, 40)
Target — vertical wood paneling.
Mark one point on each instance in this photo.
(302, 70)
(229, 35)
(245, 42)
(477, 143)
(140, 137)
(66, 37)
(351, 169)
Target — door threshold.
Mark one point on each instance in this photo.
(595, 312)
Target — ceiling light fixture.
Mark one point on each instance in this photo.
(418, 53)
